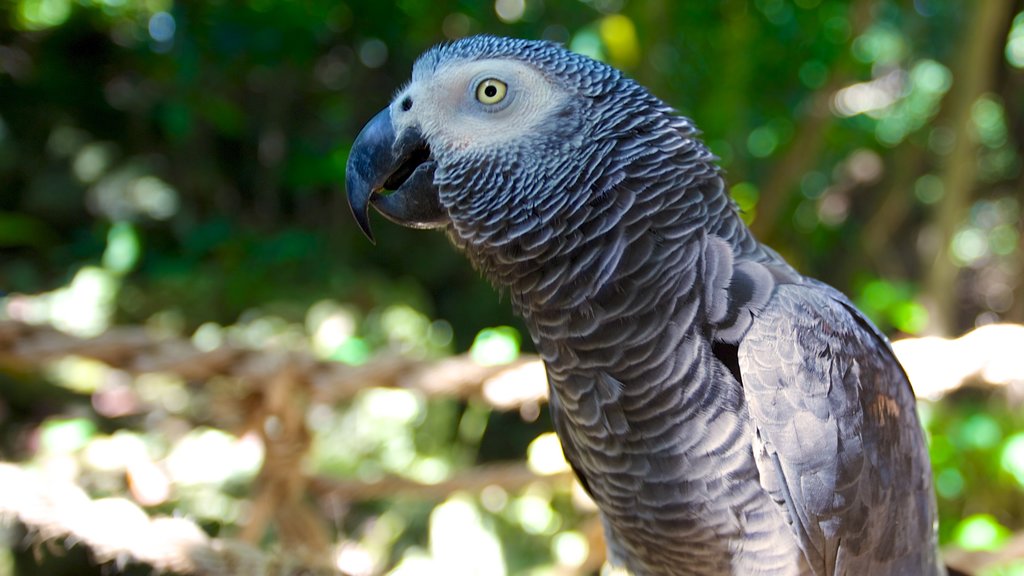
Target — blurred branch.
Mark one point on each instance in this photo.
(117, 530)
(510, 476)
(134, 350)
(1013, 91)
(937, 366)
(278, 389)
(1016, 312)
(973, 76)
(809, 140)
(281, 387)
(976, 561)
(280, 496)
(990, 355)
(893, 207)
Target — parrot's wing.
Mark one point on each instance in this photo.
(837, 433)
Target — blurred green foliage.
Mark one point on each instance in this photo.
(206, 142)
(179, 165)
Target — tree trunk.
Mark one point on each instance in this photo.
(974, 75)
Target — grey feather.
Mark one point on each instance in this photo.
(836, 417)
(728, 415)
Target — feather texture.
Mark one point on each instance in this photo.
(728, 415)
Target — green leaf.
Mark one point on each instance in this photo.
(980, 532)
(498, 345)
(65, 436)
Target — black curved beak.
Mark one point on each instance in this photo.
(380, 161)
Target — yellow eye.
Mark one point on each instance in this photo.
(491, 91)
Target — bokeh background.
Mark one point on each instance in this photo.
(177, 167)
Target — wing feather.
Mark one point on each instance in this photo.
(838, 435)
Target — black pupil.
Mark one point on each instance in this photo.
(490, 91)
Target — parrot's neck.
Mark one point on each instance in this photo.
(638, 246)
(620, 305)
(631, 219)
(624, 243)
(622, 322)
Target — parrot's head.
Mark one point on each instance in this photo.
(512, 143)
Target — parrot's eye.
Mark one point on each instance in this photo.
(491, 91)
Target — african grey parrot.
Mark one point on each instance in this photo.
(727, 415)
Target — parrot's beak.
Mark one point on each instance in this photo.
(381, 161)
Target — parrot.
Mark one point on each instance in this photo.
(727, 414)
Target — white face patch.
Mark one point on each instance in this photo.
(446, 107)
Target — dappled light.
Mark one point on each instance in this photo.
(938, 365)
(205, 369)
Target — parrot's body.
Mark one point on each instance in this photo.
(728, 415)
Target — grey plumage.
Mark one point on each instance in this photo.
(728, 415)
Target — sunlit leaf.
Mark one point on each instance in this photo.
(461, 542)
(41, 14)
(762, 141)
(588, 43)
(497, 345)
(620, 40)
(123, 248)
(544, 455)
(981, 532)
(85, 306)
(1012, 457)
(910, 317)
(535, 514)
(64, 436)
(746, 195)
(949, 483)
(353, 351)
(980, 431)
(1015, 43)
(570, 548)
(210, 456)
